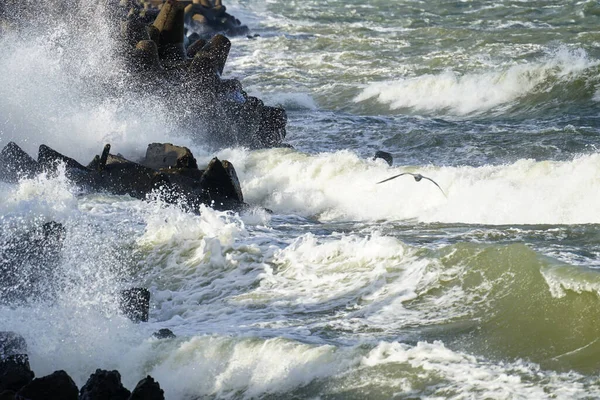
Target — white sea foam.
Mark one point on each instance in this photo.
(464, 375)
(341, 186)
(476, 92)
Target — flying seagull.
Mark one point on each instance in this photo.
(417, 177)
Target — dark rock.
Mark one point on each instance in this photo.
(16, 164)
(166, 155)
(104, 385)
(221, 182)
(56, 386)
(14, 362)
(147, 389)
(104, 157)
(170, 24)
(384, 155)
(272, 126)
(7, 395)
(217, 49)
(145, 58)
(195, 47)
(134, 30)
(48, 159)
(122, 177)
(202, 72)
(164, 334)
(135, 304)
(15, 372)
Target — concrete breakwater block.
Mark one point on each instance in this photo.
(170, 169)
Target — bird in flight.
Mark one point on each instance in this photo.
(417, 177)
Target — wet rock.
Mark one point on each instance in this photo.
(384, 155)
(7, 395)
(135, 304)
(221, 182)
(272, 126)
(124, 177)
(195, 47)
(104, 385)
(16, 164)
(164, 334)
(147, 389)
(15, 371)
(217, 49)
(134, 30)
(56, 386)
(145, 58)
(170, 25)
(49, 159)
(166, 155)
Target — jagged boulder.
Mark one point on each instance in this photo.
(170, 26)
(164, 333)
(221, 182)
(166, 155)
(49, 159)
(16, 164)
(104, 385)
(14, 362)
(56, 386)
(7, 394)
(147, 389)
(384, 155)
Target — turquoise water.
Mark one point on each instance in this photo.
(349, 290)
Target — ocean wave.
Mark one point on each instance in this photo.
(498, 90)
(341, 186)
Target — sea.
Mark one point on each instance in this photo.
(330, 286)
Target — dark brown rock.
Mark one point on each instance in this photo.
(166, 155)
(123, 177)
(145, 57)
(221, 183)
(104, 385)
(16, 164)
(147, 389)
(170, 23)
(195, 47)
(56, 386)
(272, 126)
(384, 155)
(217, 49)
(164, 333)
(7, 395)
(134, 30)
(49, 159)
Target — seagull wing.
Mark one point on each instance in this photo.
(394, 177)
(434, 182)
